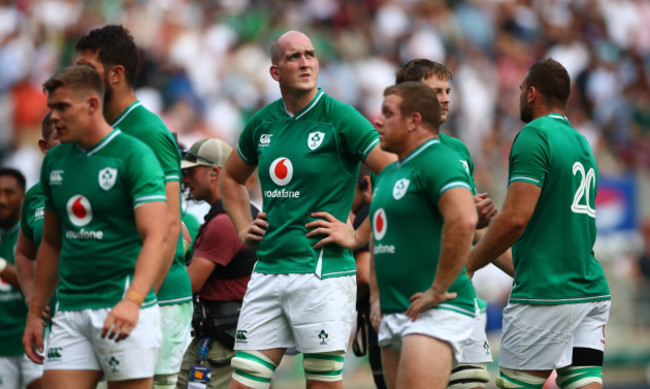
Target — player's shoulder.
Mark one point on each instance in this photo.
(34, 191)
(453, 142)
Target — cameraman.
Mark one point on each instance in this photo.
(219, 271)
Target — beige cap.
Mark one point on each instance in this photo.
(206, 152)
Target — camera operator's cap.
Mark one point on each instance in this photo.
(206, 152)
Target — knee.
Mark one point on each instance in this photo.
(326, 367)
(253, 369)
(467, 376)
(515, 379)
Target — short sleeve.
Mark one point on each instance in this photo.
(358, 135)
(529, 157)
(145, 176)
(218, 241)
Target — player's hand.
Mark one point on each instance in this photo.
(422, 301)
(255, 232)
(33, 338)
(335, 231)
(121, 320)
(375, 314)
(486, 210)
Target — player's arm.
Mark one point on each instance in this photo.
(8, 273)
(508, 225)
(236, 201)
(199, 270)
(25, 257)
(375, 307)
(150, 220)
(47, 278)
(172, 190)
(458, 211)
(378, 159)
(503, 261)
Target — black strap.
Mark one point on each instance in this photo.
(244, 262)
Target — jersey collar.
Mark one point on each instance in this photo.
(558, 116)
(418, 150)
(308, 108)
(107, 139)
(125, 113)
(10, 230)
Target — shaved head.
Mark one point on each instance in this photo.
(277, 47)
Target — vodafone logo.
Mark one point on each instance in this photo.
(79, 210)
(281, 171)
(379, 223)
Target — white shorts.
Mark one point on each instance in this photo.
(176, 326)
(297, 310)
(18, 372)
(477, 348)
(76, 344)
(442, 324)
(542, 337)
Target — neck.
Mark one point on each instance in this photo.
(98, 132)
(296, 101)
(120, 100)
(215, 196)
(544, 111)
(414, 143)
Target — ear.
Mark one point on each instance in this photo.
(93, 103)
(532, 95)
(42, 145)
(275, 73)
(214, 171)
(115, 74)
(415, 121)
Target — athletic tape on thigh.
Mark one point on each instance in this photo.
(514, 379)
(326, 367)
(466, 376)
(572, 377)
(253, 369)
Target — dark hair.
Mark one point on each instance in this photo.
(77, 77)
(15, 173)
(417, 97)
(421, 69)
(47, 126)
(552, 80)
(115, 46)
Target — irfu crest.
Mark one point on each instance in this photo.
(107, 178)
(315, 139)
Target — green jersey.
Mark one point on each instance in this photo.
(306, 162)
(31, 221)
(143, 124)
(553, 258)
(463, 156)
(13, 311)
(31, 217)
(407, 227)
(95, 192)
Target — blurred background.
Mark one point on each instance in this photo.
(204, 68)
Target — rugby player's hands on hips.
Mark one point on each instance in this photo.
(121, 320)
(255, 232)
(422, 301)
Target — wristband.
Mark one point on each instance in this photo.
(3, 264)
(134, 296)
(35, 311)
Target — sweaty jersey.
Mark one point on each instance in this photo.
(95, 192)
(143, 124)
(553, 258)
(307, 162)
(13, 311)
(407, 227)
